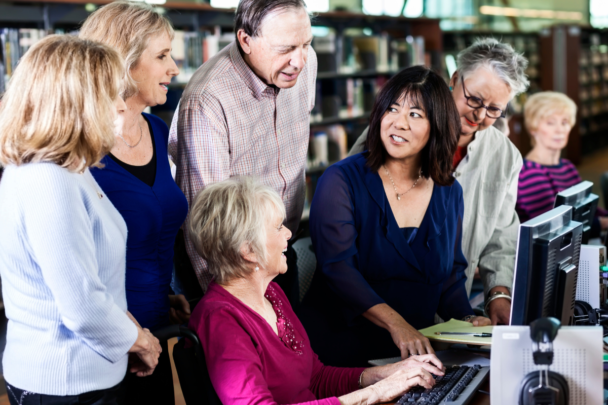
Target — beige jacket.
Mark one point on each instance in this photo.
(488, 176)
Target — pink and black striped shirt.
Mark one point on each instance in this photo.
(539, 184)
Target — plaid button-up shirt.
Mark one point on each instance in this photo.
(230, 123)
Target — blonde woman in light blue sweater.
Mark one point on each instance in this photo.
(62, 245)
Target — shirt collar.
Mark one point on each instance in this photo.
(255, 84)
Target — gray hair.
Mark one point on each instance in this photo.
(250, 14)
(231, 215)
(501, 58)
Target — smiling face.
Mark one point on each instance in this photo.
(405, 128)
(485, 85)
(279, 53)
(277, 236)
(154, 71)
(552, 132)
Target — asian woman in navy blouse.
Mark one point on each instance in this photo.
(137, 180)
(386, 226)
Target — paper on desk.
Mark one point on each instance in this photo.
(458, 326)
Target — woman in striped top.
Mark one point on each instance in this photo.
(549, 117)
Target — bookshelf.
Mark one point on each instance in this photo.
(580, 70)
(367, 51)
(526, 43)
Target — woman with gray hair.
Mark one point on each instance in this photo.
(490, 73)
(256, 349)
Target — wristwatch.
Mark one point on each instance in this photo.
(494, 296)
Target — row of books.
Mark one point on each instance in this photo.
(192, 49)
(348, 54)
(14, 44)
(345, 98)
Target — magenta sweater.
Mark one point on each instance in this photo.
(249, 364)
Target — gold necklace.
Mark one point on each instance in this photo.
(393, 183)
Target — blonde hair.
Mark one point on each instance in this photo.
(127, 27)
(541, 105)
(59, 106)
(228, 216)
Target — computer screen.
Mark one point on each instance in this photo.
(546, 267)
(583, 203)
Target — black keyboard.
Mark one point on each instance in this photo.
(456, 387)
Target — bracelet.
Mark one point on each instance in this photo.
(361, 380)
(494, 296)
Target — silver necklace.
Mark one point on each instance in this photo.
(141, 135)
(393, 183)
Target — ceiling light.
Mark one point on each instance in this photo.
(531, 13)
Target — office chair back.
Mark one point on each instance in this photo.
(307, 263)
(190, 365)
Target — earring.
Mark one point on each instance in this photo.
(451, 88)
(257, 268)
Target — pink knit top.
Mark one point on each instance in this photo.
(250, 364)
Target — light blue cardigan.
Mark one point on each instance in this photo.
(62, 262)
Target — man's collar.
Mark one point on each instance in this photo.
(257, 86)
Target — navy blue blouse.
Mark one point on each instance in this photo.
(153, 216)
(365, 259)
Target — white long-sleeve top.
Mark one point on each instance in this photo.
(62, 262)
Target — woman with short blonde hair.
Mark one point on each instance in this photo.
(256, 349)
(549, 116)
(137, 178)
(62, 246)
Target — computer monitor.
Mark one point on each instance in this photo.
(546, 267)
(583, 203)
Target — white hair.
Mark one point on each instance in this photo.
(498, 57)
(228, 216)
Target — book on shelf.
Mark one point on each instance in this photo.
(14, 43)
(346, 54)
(192, 49)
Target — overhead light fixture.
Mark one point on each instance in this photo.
(531, 13)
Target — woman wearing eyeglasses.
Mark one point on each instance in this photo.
(487, 165)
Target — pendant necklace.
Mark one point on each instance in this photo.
(393, 183)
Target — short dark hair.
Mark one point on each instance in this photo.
(251, 13)
(430, 89)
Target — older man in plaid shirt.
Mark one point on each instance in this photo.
(246, 112)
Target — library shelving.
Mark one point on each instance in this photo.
(357, 54)
(579, 68)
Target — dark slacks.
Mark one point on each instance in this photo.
(154, 389)
(17, 396)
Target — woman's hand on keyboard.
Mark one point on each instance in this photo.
(390, 388)
(429, 362)
(399, 383)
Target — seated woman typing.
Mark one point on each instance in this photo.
(549, 117)
(256, 349)
(386, 226)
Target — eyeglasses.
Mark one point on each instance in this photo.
(476, 103)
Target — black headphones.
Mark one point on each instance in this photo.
(584, 314)
(544, 386)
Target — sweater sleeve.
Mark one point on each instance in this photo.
(235, 368)
(330, 381)
(60, 237)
